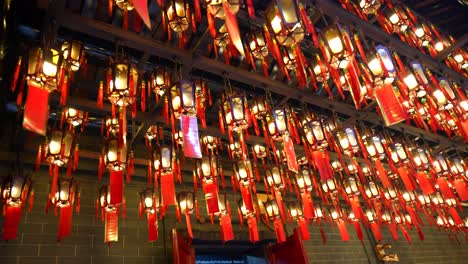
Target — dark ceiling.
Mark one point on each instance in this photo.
(448, 15)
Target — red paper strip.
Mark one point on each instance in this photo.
(253, 229)
(445, 189)
(152, 220)
(168, 189)
(233, 28)
(211, 197)
(303, 227)
(116, 187)
(383, 174)
(357, 227)
(456, 217)
(36, 109)
(376, 231)
(290, 153)
(226, 228)
(424, 183)
(279, 230)
(111, 227)
(141, 6)
(12, 216)
(389, 105)
(405, 233)
(279, 202)
(355, 205)
(247, 198)
(462, 189)
(420, 233)
(393, 231)
(343, 231)
(322, 162)
(65, 222)
(404, 175)
(191, 139)
(308, 205)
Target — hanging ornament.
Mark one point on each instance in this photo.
(273, 213)
(150, 204)
(186, 203)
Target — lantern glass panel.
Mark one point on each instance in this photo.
(166, 157)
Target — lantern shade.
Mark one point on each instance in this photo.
(150, 200)
(59, 147)
(271, 208)
(104, 198)
(398, 153)
(162, 159)
(65, 192)
(123, 75)
(260, 151)
(372, 190)
(186, 201)
(283, 22)
(369, 6)
(351, 186)
(374, 147)
(329, 186)
(176, 12)
(295, 209)
(160, 81)
(420, 158)
(243, 171)
(115, 155)
(14, 190)
(43, 67)
(336, 49)
(183, 99)
(259, 107)
(74, 117)
(125, 4)
(73, 53)
(303, 179)
(274, 177)
(256, 44)
(398, 18)
(234, 111)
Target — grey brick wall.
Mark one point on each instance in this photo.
(37, 240)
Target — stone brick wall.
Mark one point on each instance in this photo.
(37, 239)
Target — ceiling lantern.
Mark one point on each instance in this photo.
(329, 186)
(64, 199)
(337, 46)
(59, 147)
(296, 212)
(182, 99)
(75, 117)
(397, 19)
(398, 153)
(422, 35)
(277, 123)
(177, 12)
(162, 159)
(122, 80)
(43, 68)
(273, 213)
(304, 180)
(186, 204)
(160, 81)
(374, 147)
(372, 190)
(459, 58)
(440, 164)
(351, 186)
(380, 66)
(110, 214)
(216, 7)
(314, 132)
(369, 7)
(257, 48)
(73, 53)
(234, 110)
(115, 157)
(150, 204)
(348, 140)
(259, 109)
(283, 21)
(250, 216)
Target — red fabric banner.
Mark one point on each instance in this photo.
(290, 252)
(191, 139)
(111, 227)
(322, 162)
(445, 189)
(303, 227)
(355, 205)
(383, 174)
(65, 222)
(168, 189)
(253, 229)
(343, 231)
(211, 197)
(247, 198)
(279, 230)
(36, 109)
(376, 231)
(290, 153)
(389, 105)
(404, 175)
(116, 187)
(308, 205)
(424, 183)
(357, 227)
(462, 189)
(152, 220)
(226, 228)
(141, 7)
(233, 28)
(12, 216)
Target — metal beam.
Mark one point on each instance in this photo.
(101, 30)
(376, 33)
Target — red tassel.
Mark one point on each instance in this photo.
(110, 7)
(53, 188)
(253, 230)
(279, 229)
(456, 217)
(15, 77)
(189, 225)
(343, 231)
(78, 203)
(38, 158)
(152, 226)
(64, 91)
(424, 183)
(125, 19)
(376, 231)
(404, 175)
(357, 227)
(65, 222)
(322, 234)
(420, 233)
(76, 156)
(143, 97)
(100, 97)
(12, 216)
(382, 174)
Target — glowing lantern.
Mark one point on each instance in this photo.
(115, 155)
(420, 158)
(398, 19)
(372, 190)
(329, 186)
(398, 153)
(351, 186)
(409, 197)
(304, 180)
(348, 140)
(458, 166)
(277, 123)
(14, 190)
(390, 194)
(65, 195)
(123, 80)
(73, 54)
(369, 6)
(315, 133)
(206, 169)
(257, 45)
(59, 147)
(459, 57)
(186, 204)
(176, 12)
(75, 117)
(125, 4)
(274, 178)
(216, 8)
(183, 99)
(336, 48)
(112, 126)
(436, 198)
(422, 36)
(444, 98)
(380, 65)
(234, 111)
(259, 107)
(243, 172)
(374, 147)
(149, 200)
(160, 81)
(162, 159)
(283, 22)
(440, 165)
(260, 151)
(43, 67)
(424, 200)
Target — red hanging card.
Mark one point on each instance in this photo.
(445, 189)
(211, 197)
(462, 189)
(456, 217)
(12, 216)
(168, 189)
(357, 227)
(36, 109)
(420, 233)
(152, 220)
(322, 162)
(65, 222)
(279, 230)
(404, 175)
(191, 139)
(233, 28)
(355, 205)
(390, 107)
(253, 229)
(226, 228)
(290, 153)
(303, 227)
(382, 174)
(247, 198)
(111, 227)
(405, 233)
(141, 6)
(424, 183)
(343, 231)
(279, 202)
(376, 231)
(308, 205)
(116, 187)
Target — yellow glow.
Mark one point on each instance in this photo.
(410, 81)
(276, 24)
(440, 97)
(419, 32)
(439, 46)
(335, 45)
(148, 202)
(375, 67)
(394, 18)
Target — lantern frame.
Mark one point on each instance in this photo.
(234, 107)
(283, 21)
(333, 37)
(183, 99)
(274, 177)
(176, 14)
(186, 201)
(65, 187)
(272, 209)
(304, 179)
(243, 172)
(398, 19)
(73, 53)
(295, 209)
(15, 189)
(163, 159)
(150, 195)
(257, 45)
(160, 80)
(59, 147)
(369, 6)
(119, 91)
(115, 154)
(44, 67)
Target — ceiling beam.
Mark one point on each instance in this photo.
(460, 43)
(104, 31)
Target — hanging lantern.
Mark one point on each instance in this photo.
(336, 47)
(274, 178)
(420, 158)
(160, 81)
(409, 197)
(112, 126)
(437, 199)
(390, 194)
(234, 111)
(374, 147)
(444, 98)
(150, 200)
(295, 211)
(259, 107)
(115, 155)
(186, 204)
(459, 57)
(458, 167)
(317, 68)
(380, 65)
(235, 149)
(257, 45)
(329, 186)
(59, 147)
(283, 21)
(75, 117)
(348, 140)
(423, 38)
(369, 6)
(243, 172)
(315, 133)
(176, 12)
(336, 166)
(351, 186)
(352, 168)
(273, 212)
(162, 159)
(206, 169)
(125, 4)
(183, 99)
(43, 68)
(216, 7)
(123, 78)
(440, 165)
(210, 142)
(398, 18)
(372, 190)
(259, 151)
(73, 54)
(66, 190)
(304, 180)
(398, 153)
(277, 123)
